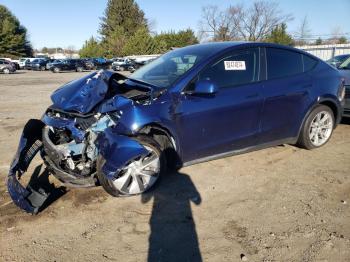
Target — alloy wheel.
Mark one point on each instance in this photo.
(321, 128)
(139, 175)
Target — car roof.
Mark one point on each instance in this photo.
(222, 46)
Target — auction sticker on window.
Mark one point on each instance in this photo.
(235, 65)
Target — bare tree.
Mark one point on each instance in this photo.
(336, 33)
(239, 22)
(303, 32)
(214, 23)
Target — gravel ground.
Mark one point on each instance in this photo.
(277, 204)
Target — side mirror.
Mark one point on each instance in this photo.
(205, 87)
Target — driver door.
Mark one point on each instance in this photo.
(228, 120)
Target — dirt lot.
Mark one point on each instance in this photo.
(277, 204)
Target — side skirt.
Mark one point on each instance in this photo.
(292, 140)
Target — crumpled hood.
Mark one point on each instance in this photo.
(84, 94)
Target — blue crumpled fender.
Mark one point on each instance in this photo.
(29, 145)
(117, 150)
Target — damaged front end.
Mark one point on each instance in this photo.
(75, 132)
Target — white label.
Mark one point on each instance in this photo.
(234, 65)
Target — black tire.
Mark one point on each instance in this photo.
(108, 185)
(79, 69)
(56, 70)
(304, 139)
(42, 68)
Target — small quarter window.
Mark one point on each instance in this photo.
(283, 63)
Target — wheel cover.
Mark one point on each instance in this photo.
(139, 175)
(321, 128)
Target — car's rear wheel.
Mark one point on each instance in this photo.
(140, 174)
(56, 70)
(318, 128)
(6, 71)
(42, 68)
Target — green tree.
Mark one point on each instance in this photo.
(91, 48)
(342, 40)
(142, 43)
(13, 36)
(180, 39)
(121, 20)
(318, 41)
(279, 35)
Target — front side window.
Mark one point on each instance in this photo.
(237, 68)
(283, 63)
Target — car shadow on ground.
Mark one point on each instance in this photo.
(40, 181)
(173, 234)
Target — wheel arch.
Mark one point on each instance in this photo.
(165, 139)
(327, 102)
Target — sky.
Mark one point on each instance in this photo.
(63, 23)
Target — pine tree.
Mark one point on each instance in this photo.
(180, 39)
(279, 35)
(318, 41)
(142, 43)
(13, 36)
(91, 48)
(121, 20)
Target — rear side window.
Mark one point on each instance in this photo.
(238, 68)
(283, 63)
(309, 63)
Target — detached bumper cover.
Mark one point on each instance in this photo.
(29, 145)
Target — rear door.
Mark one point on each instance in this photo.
(286, 94)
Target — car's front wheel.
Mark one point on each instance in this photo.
(139, 175)
(56, 70)
(318, 128)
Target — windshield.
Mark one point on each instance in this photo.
(345, 64)
(168, 68)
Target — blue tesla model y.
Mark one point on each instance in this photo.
(192, 104)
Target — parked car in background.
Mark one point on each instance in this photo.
(22, 62)
(52, 62)
(190, 105)
(6, 67)
(89, 63)
(123, 64)
(344, 69)
(101, 63)
(68, 65)
(39, 64)
(14, 63)
(337, 60)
